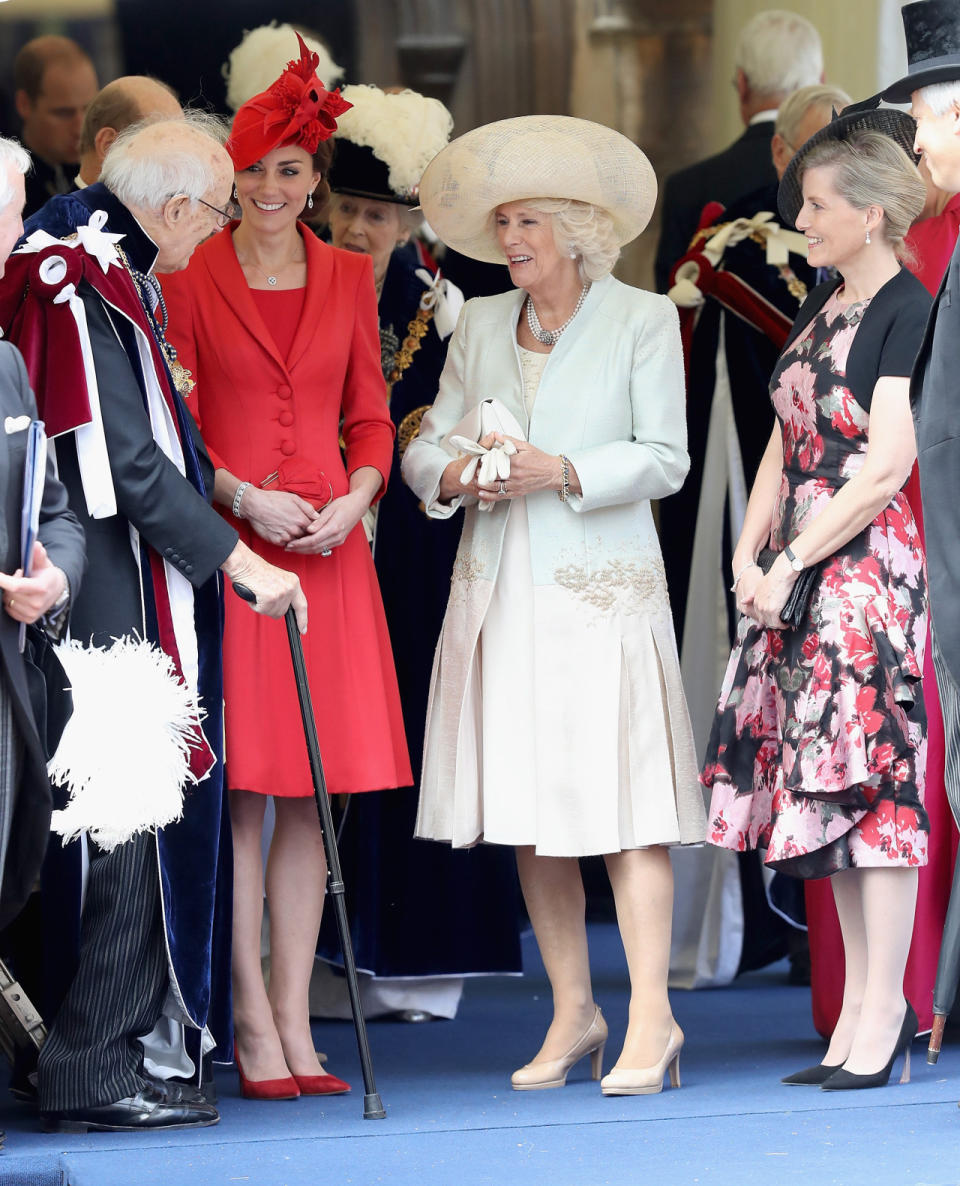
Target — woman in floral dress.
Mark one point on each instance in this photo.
(817, 750)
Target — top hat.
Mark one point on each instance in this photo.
(534, 156)
(932, 31)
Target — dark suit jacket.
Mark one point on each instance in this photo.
(936, 411)
(62, 536)
(743, 167)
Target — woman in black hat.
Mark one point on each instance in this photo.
(818, 746)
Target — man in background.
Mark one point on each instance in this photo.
(54, 83)
(777, 53)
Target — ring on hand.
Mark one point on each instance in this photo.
(10, 603)
(503, 488)
(326, 551)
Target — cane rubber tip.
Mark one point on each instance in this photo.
(933, 1057)
(373, 1109)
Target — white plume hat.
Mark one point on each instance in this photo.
(534, 156)
(260, 58)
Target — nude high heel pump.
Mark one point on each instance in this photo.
(536, 1076)
(648, 1080)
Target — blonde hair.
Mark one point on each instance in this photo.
(870, 169)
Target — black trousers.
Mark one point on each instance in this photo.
(91, 1055)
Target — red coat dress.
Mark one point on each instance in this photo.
(257, 410)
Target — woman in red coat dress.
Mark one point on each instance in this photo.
(280, 332)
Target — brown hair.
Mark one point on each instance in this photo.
(114, 107)
(322, 159)
(30, 64)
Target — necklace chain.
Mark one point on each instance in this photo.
(550, 337)
(273, 280)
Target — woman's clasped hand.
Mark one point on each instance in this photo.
(762, 595)
(530, 469)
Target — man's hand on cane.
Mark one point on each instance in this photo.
(274, 589)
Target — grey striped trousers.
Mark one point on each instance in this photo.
(91, 1055)
(950, 707)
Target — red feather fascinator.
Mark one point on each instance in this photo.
(296, 109)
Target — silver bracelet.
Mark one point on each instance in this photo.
(737, 576)
(238, 498)
(564, 492)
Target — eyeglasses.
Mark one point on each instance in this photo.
(231, 212)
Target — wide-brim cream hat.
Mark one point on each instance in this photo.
(534, 156)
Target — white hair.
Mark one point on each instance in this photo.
(261, 57)
(793, 110)
(779, 52)
(580, 230)
(941, 96)
(147, 180)
(13, 156)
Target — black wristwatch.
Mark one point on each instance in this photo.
(795, 562)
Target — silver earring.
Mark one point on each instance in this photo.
(572, 250)
(235, 197)
(310, 202)
(868, 234)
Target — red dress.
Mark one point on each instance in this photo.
(260, 405)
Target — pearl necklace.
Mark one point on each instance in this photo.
(550, 337)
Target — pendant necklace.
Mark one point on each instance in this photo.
(550, 337)
(273, 280)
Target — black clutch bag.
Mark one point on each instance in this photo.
(795, 611)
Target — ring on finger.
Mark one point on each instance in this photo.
(503, 487)
(326, 551)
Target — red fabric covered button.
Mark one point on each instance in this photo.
(288, 448)
(284, 391)
(286, 419)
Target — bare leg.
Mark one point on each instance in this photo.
(296, 883)
(889, 900)
(642, 881)
(553, 892)
(847, 886)
(258, 1043)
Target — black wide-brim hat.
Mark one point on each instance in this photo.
(932, 31)
(866, 116)
(358, 171)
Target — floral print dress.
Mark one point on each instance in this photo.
(818, 745)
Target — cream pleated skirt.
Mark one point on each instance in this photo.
(572, 734)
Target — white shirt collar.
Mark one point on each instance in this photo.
(761, 117)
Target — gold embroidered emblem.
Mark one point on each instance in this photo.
(410, 428)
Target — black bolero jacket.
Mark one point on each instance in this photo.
(889, 336)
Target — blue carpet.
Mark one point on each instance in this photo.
(452, 1117)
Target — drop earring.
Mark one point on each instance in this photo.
(572, 250)
(310, 202)
(868, 234)
(235, 196)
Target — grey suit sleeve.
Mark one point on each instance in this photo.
(151, 492)
(59, 532)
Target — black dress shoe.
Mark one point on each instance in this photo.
(178, 1091)
(149, 1109)
(844, 1080)
(811, 1076)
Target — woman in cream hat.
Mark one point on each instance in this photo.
(557, 723)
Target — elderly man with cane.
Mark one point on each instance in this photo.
(88, 314)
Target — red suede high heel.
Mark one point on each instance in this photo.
(286, 1088)
(321, 1085)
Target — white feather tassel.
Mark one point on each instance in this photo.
(125, 754)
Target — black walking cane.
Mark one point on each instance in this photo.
(372, 1106)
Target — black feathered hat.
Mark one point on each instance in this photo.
(932, 31)
(866, 116)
